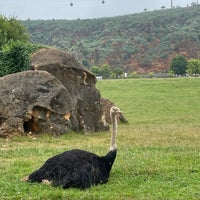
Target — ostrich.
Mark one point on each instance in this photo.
(79, 168)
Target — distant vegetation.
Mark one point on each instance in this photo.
(15, 47)
(158, 43)
(11, 30)
(138, 43)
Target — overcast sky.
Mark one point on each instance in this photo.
(83, 9)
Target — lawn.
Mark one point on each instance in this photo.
(158, 150)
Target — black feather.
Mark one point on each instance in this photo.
(75, 168)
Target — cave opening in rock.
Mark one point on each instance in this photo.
(31, 125)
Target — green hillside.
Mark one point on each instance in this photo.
(142, 43)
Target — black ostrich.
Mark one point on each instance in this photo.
(78, 168)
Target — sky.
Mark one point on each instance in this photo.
(82, 9)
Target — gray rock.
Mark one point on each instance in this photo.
(80, 83)
(57, 96)
(34, 101)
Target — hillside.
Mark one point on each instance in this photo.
(144, 42)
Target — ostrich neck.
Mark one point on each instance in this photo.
(114, 132)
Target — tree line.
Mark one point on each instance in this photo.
(16, 48)
(181, 66)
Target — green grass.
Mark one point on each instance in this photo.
(158, 150)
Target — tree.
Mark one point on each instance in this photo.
(95, 70)
(105, 71)
(11, 30)
(193, 66)
(15, 48)
(178, 65)
(15, 57)
(117, 72)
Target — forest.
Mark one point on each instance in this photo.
(142, 43)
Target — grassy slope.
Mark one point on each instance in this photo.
(158, 156)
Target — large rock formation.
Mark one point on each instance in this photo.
(58, 96)
(79, 82)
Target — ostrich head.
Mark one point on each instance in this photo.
(114, 112)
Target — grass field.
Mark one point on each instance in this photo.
(158, 150)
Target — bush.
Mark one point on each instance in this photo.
(15, 57)
(105, 71)
(151, 74)
(170, 74)
(178, 65)
(12, 30)
(193, 67)
(15, 49)
(134, 75)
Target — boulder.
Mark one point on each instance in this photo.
(79, 82)
(34, 101)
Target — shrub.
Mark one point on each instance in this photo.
(11, 30)
(151, 74)
(193, 66)
(178, 65)
(134, 75)
(15, 57)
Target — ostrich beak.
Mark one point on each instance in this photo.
(120, 112)
(115, 110)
